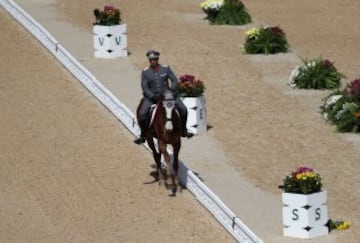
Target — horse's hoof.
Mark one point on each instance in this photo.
(168, 186)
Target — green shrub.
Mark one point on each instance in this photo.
(227, 12)
(232, 13)
(316, 74)
(268, 40)
(342, 108)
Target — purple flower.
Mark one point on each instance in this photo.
(303, 169)
(277, 30)
(353, 89)
(186, 78)
(328, 64)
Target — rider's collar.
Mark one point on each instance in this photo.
(156, 68)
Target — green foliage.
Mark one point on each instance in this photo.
(228, 12)
(268, 40)
(211, 14)
(316, 74)
(348, 122)
(342, 108)
(232, 13)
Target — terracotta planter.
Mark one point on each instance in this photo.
(305, 216)
(110, 41)
(196, 108)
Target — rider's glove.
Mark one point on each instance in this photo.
(156, 98)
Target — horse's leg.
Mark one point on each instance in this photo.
(176, 148)
(162, 148)
(157, 158)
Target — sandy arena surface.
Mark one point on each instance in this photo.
(266, 128)
(69, 171)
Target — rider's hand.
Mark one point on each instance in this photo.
(156, 98)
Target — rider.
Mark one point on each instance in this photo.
(154, 81)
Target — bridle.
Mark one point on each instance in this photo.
(168, 103)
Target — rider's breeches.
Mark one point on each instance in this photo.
(181, 107)
(144, 109)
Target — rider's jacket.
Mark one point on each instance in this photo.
(156, 81)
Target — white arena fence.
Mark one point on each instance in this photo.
(202, 193)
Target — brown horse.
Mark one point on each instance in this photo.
(166, 128)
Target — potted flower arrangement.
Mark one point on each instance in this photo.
(108, 16)
(342, 108)
(304, 204)
(110, 40)
(303, 180)
(190, 87)
(226, 12)
(317, 73)
(191, 92)
(265, 40)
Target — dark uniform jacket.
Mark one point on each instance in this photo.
(156, 82)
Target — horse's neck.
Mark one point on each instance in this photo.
(159, 112)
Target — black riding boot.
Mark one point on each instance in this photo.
(141, 139)
(185, 132)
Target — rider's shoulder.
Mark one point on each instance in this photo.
(146, 68)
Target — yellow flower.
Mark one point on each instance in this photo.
(305, 175)
(343, 226)
(211, 3)
(254, 32)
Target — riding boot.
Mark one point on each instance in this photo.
(185, 132)
(141, 139)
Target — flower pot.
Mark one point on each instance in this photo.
(305, 216)
(196, 121)
(110, 41)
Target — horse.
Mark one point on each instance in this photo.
(166, 128)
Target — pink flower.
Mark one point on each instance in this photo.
(303, 169)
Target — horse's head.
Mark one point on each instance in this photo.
(168, 103)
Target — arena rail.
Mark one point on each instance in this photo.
(202, 193)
